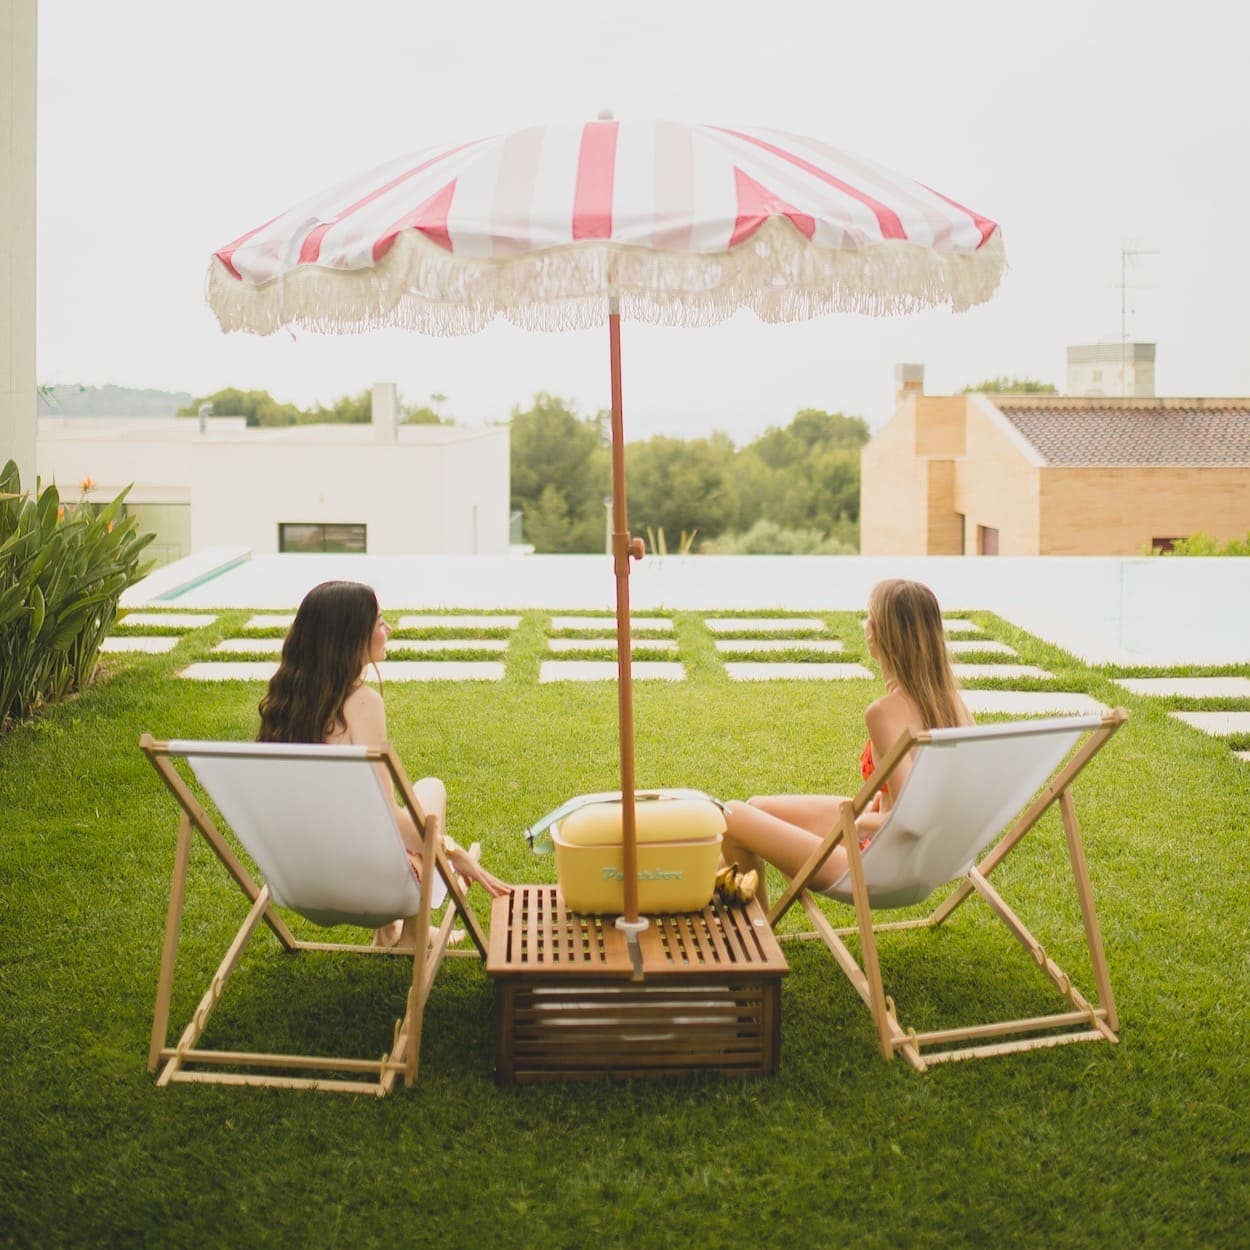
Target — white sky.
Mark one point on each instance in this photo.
(167, 129)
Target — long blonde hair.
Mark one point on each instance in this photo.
(911, 643)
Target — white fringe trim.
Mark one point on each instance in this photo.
(778, 274)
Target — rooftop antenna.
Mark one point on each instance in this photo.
(1127, 254)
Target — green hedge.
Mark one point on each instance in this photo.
(1202, 544)
(62, 571)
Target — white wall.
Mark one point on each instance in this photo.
(154, 453)
(415, 495)
(17, 234)
(431, 490)
(476, 505)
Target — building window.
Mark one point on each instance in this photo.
(963, 532)
(1096, 375)
(987, 541)
(317, 536)
(1163, 544)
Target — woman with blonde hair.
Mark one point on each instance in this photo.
(905, 636)
(319, 694)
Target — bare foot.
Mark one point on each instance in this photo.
(388, 934)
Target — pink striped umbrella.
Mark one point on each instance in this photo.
(564, 227)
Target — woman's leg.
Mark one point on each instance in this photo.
(817, 813)
(431, 794)
(755, 834)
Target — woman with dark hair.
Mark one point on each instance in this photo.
(318, 694)
(905, 636)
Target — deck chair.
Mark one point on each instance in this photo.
(317, 822)
(965, 787)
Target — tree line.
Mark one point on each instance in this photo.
(260, 408)
(793, 489)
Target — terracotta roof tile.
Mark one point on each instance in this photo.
(1172, 432)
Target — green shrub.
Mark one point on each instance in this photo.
(1201, 544)
(62, 571)
(767, 538)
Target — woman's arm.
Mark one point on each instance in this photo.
(365, 715)
(887, 721)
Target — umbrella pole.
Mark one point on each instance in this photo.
(623, 548)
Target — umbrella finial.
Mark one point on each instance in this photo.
(606, 115)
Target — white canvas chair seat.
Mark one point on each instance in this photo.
(318, 824)
(324, 839)
(964, 787)
(959, 800)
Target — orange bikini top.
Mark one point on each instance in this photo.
(867, 765)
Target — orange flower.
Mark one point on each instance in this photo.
(87, 483)
(60, 512)
(110, 527)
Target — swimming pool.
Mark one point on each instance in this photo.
(1106, 610)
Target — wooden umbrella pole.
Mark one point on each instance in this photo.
(623, 548)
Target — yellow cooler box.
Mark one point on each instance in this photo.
(678, 850)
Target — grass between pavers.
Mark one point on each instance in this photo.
(157, 631)
(1146, 1143)
(1175, 670)
(639, 654)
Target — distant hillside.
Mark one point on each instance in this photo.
(72, 400)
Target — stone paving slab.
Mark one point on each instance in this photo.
(1218, 724)
(607, 624)
(168, 620)
(598, 644)
(459, 622)
(767, 646)
(1031, 703)
(759, 670)
(763, 624)
(249, 646)
(442, 670)
(271, 620)
(961, 646)
(140, 642)
(966, 672)
(1189, 687)
(952, 625)
(605, 670)
(391, 670)
(1243, 755)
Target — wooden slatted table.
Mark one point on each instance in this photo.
(570, 1004)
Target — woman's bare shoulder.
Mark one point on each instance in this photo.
(889, 717)
(892, 705)
(361, 699)
(365, 717)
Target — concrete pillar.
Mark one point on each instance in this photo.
(385, 408)
(18, 22)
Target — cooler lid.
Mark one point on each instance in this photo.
(656, 820)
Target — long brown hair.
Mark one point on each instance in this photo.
(323, 655)
(907, 623)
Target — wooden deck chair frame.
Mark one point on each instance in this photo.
(1084, 1021)
(402, 1059)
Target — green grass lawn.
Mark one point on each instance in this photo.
(1142, 1144)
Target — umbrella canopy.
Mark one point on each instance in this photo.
(682, 224)
(564, 227)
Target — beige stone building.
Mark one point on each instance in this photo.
(1028, 475)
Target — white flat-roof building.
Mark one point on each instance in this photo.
(384, 489)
